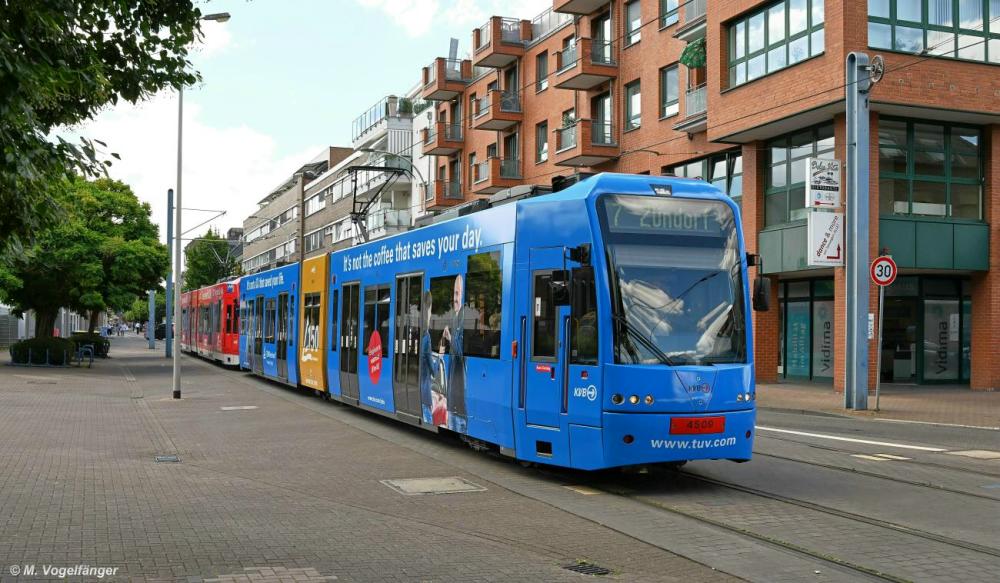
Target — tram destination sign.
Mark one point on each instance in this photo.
(658, 216)
(823, 185)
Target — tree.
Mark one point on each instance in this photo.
(101, 255)
(207, 260)
(139, 310)
(61, 61)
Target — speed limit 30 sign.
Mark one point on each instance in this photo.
(883, 270)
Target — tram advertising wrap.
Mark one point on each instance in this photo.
(603, 325)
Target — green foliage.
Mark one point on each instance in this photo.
(138, 311)
(208, 260)
(60, 351)
(693, 55)
(61, 61)
(101, 255)
(102, 346)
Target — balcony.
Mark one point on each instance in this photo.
(586, 143)
(442, 194)
(445, 79)
(498, 111)
(586, 65)
(695, 111)
(578, 6)
(442, 139)
(693, 21)
(499, 42)
(496, 174)
(383, 222)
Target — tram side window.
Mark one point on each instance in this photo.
(377, 316)
(543, 341)
(583, 332)
(335, 316)
(443, 292)
(481, 318)
(269, 318)
(310, 313)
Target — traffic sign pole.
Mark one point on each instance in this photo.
(883, 272)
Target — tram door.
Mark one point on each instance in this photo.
(258, 336)
(281, 351)
(406, 368)
(349, 330)
(546, 323)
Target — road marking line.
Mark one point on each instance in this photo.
(851, 439)
(583, 490)
(874, 458)
(979, 454)
(939, 424)
(894, 457)
(242, 408)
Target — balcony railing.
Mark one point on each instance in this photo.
(695, 101)
(548, 21)
(566, 137)
(694, 9)
(510, 168)
(602, 133)
(485, 35)
(452, 131)
(568, 57)
(601, 52)
(479, 72)
(481, 172)
(388, 219)
(510, 31)
(451, 189)
(510, 102)
(452, 71)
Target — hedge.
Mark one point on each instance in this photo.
(102, 346)
(60, 351)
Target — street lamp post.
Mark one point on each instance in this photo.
(179, 275)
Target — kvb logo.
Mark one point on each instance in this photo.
(589, 393)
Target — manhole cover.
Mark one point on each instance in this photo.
(587, 569)
(417, 486)
(167, 459)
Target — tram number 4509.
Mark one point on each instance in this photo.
(697, 425)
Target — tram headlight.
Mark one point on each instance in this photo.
(617, 399)
(649, 399)
(634, 399)
(739, 396)
(748, 397)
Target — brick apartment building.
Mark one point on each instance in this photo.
(598, 86)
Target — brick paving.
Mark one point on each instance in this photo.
(278, 493)
(952, 405)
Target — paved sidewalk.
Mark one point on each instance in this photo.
(950, 405)
(266, 490)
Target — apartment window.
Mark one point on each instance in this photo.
(542, 142)
(928, 169)
(669, 91)
(963, 29)
(542, 71)
(633, 23)
(481, 321)
(315, 204)
(724, 171)
(633, 105)
(784, 199)
(779, 36)
(668, 13)
(314, 241)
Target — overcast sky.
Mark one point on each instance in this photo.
(282, 80)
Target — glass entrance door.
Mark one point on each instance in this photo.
(899, 340)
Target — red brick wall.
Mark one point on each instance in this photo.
(986, 286)
(765, 324)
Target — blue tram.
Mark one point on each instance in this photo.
(603, 325)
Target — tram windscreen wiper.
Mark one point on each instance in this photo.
(649, 344)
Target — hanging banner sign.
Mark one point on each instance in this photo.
(823, 183)
(825, 233)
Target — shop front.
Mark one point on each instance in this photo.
(926, 331)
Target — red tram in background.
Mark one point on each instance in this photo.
(210, 322)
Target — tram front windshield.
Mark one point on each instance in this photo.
(676, 279)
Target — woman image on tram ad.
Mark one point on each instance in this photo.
(451, 342)
(432, 399)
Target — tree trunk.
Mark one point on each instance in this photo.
(94, 314)
(45, 322)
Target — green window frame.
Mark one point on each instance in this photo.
(669, 13)
(785, 193)
(669, 91)
(724, 171)
(770, 39)
(633, 23)
(633, 105)
(929, 169)
(951, 29)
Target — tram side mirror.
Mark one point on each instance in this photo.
(583, 284)
(580, 254)
(559, 286)
(762, 294)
